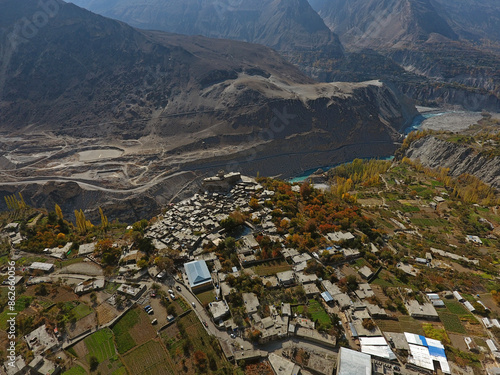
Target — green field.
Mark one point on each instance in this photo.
(120, 371)
(316, 312)
(100, 345)
(452, 322)
(271, 268)
(124, 341)
(81, 311)
(22, 302)
(456, 307)
(206, 297)
(76, 370)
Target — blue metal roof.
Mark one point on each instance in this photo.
(197, 272)
(437, 352)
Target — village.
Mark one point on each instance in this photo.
(261, 294)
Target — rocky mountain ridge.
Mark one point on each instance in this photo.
(460, 159)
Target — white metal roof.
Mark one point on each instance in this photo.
(353, 362)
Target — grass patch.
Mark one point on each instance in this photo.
(81, 311)
(111, 287)
(100, 345)
(318, 313)
(206, 297)
(75, 370)
(452, 322)
(272, 268)
(124, 341)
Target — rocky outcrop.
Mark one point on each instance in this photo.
(434, 153)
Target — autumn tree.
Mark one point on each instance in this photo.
(104, 220)
(82, 223)
(59, 212)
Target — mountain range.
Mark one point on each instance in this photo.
(435, 51)
(284, 25)
(184, 103)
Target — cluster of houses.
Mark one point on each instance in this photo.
(189, 223)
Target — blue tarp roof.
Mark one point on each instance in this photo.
(437, 352)
(197, 272)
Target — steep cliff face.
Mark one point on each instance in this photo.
(434, 152)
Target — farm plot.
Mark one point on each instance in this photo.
(81, 311)
(142, 331)
(409, 324)
(101, 346)
(76, 370)
(105, 313)
(22, 303)
(456, 308)
(124, 340)
(272, 268)
(452, 322)
(149, 359)
(387, 325)
(316, 312)
(183, 349)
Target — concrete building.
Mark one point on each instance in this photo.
(365, 272)
(86, 249)
(45, 267)
(425, 311)
(42, 366)
(339, 236)
(283, 366)
(364, 291)
(219, 310)
(315, 336)
(89, 286)
(286, 278)
(198, 275)
(129, 290)
(251, 302)
(17, 367)
(40, 340)
(311, 290)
